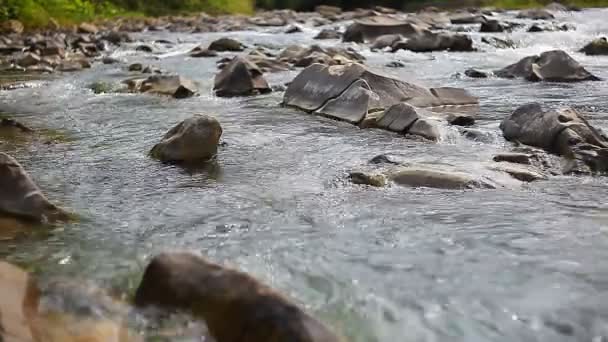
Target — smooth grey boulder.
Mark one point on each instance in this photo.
(240, 77)
(474, 73)
(21, 197)
(368, 29)
(171, 85)
(524, 173)
(551, 66)
(430, 178)
(333, 91)
(194, 139)
(561, 131)
(596, 47)
(427, 41)
(425, 128)
(301, 56)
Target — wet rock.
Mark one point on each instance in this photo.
(351, 91)
(597, 47)
(110, 60)
(384, 41)
(398, 118)
(136, 67)
(478, 135)
(536, 14)
(520, 172)
(535, 28)
(232, 303)
(328, 11)
(474, 73)
(29, 59)
(383, 159)
(171, 85)
(562, 131)
(516, 158)
(21, 197)
(87, 28)
(395, 64)
(293, 29)
(425, 128)
(368, 29)
(194, 139)
(362, 178)
(301, 56)
(329, 34)
(11, 27)
(460, 119)
(415, 176)
(226, 44)
(240, 77)
(498, 43)
(427, 41)
(491, 26)
(551, 66)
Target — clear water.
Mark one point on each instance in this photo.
(524, 264)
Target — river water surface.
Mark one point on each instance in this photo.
(391, 264)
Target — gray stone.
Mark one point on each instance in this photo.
(398, 118)
(368, 29)
(597, 47)
(535, 14)
(194, 139)
(240, 77)
(351, 105)
(430, 178)
(226, 44)
(329, 34)
(425, 128)
(172, 85)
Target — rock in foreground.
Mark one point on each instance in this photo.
(561, 131)
(21, 197)
(233, 304)
(240, 77)
(194, 139)
(551, 66)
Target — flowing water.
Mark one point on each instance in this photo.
(391, 264)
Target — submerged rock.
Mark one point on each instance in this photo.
(21, 197)
(194, 139)
(551, 66)
(597, 47)
(498, 43)
(562, 131)
(200, 51)
(492, 26)
(362, 178)
(524, 173)
(232, 303)
(240, 77)
(474, 73)
(350, 92)
(430, 178)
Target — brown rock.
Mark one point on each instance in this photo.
(240, 77)
(11, 26)
(235, 306)
(87, 28)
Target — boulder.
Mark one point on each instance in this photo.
(232, 303)
(597, 47)
(551, 66)
(425, 128)
(240, 77)
(563, 132)
(172, 85)
(398, 118)
(427, 41)
(362, 178)
(194, 139)
(474, 73)
(328, 11)
(515, 158)
(416, 176)
(524, 173)
(491, 26)
(329, 34)
(460, 119)
(21, 197)
(200, 51)
(536, 14)
(349, 92)
(293, 29)
(368, 29)
(301, 56)
(87, 28)
(468, 18)
(226, 44)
